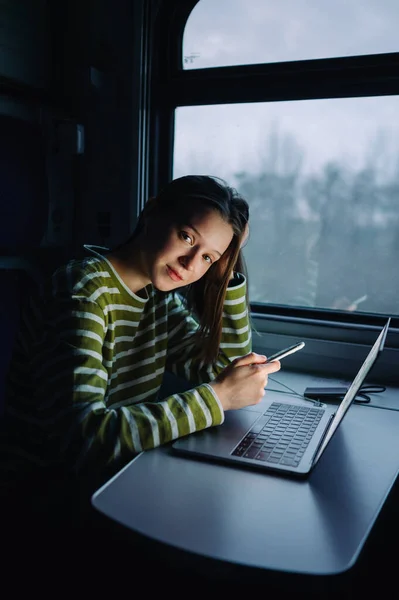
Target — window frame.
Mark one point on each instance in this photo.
(337, 339)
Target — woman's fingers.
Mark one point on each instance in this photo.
(270, 367)
(249, 359)
(258, 360)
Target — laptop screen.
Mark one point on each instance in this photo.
(354, 388)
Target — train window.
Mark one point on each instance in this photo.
(322, 180)
(295, 104)
(237, 32)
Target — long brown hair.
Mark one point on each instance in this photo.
(205, 298)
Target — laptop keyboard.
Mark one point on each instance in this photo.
(281, 435)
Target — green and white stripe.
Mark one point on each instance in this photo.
(87, 368)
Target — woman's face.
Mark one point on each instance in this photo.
(177, 255)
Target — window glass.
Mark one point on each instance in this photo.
(322, 181)
(236, 32)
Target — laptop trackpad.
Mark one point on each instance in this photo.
(220, 439)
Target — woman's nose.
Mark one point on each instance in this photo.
(188, 260)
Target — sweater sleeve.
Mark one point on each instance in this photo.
(91, 437)
(94, 435)
(236, 338)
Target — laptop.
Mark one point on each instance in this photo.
(286, 437)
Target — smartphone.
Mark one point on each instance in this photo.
(282, 353)
(359, 300)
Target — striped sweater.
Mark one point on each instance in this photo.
(89, 363)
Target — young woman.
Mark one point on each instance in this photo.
(84, 382)
(83, 390)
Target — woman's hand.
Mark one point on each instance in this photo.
(244, 239)
(245, 235)
(242, 382)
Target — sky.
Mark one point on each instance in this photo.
(283, 135)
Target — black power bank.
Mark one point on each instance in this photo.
(325, 392)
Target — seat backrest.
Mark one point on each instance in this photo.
(23, 221)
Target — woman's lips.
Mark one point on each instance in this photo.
(173, 275)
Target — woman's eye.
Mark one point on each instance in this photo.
(207, 258)
(185, 237)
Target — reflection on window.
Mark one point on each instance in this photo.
(236, 32)
(322, 181)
